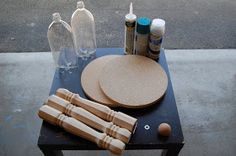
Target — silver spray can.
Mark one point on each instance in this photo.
(157, 31)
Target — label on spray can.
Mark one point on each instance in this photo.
(153, 54)
(141, 44)
(155, 42)
(154, 46)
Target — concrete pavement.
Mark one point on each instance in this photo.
(204, 83)
(189, 23)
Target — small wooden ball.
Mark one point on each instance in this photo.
(164, 129)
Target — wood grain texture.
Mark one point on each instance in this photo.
(102, 111)
(78, 128)
(88, 118)
(90, 78)
(133, 81)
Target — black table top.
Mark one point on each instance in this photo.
(52, 137)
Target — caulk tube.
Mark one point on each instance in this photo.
(130, 20)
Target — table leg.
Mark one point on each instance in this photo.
(173, 151)
(52, 152)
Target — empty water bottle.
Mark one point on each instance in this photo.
(83, 28)
(61, 43)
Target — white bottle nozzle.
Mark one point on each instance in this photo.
(131, 8)
(80, 5)
(130, 16)
(56, 17)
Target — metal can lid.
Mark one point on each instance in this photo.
(143, 25)
(158, 27)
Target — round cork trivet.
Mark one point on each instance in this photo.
(133, 81)
(89, 80)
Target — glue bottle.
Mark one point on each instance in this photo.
(130, 20)
(141, 36)
(157, 31)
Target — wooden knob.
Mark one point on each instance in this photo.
(100, 110)
(89, 118)
(78, 128)
(164, 129)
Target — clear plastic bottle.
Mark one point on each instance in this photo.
(61, 43)
(83, 28)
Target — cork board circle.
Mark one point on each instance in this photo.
(90, 77)
(133, 81)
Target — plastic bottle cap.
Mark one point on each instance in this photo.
(56, 17)
(143, 25)
(130, 17)
(158, 27)
(80, 5)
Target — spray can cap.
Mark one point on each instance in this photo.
(143, 25)
(158, 27)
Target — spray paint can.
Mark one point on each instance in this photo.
(157, 31)
(142, 35)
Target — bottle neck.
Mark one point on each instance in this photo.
(80, 5)
(56, 17)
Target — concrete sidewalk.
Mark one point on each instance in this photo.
(204, 83)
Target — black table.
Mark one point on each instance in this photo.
(53, 139)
